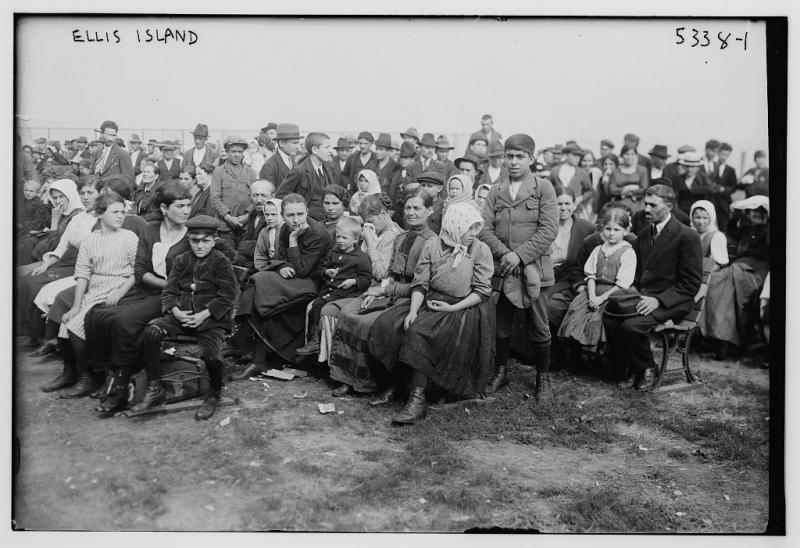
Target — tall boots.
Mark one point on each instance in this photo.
(68, 375)
(500, 378)
(415, 408)
(153, 396)
(215, 368)
(543, 391)
(117, 399)
(312, 346)
(86, 383)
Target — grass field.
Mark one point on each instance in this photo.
(597, 459)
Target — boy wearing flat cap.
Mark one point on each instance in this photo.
(362, 159)
(521, 223)
(230, 190)
(433, 183)
(200, 293)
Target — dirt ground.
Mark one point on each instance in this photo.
(598, 459)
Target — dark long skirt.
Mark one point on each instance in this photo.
(114, 333)
(285, 330)
(30, 319)
(359, 359)
(455, 350)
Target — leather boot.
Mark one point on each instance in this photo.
(415, 408)
(47, 348)
(154, 395)
(384, 397)
(252, 370)
(208, 407)
(499, 380)
(84, 386)
(543, 391)
(646, 379)
(116, 401)
(341, 391)
(68, 376)
(311, 347)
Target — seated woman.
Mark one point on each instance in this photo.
(104, 273)
(588, 163)
(368, 185)
(733, 291)
(450, 340)
(334, 201)
(712, 240)
(350, 359)
(379, 234)
(273, 307)
(201, 191)
(145, 193)
(629, 181)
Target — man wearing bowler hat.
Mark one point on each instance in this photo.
(341, 153)
(443, 149)
(469, 165)
(496, 172)
(201, 153)
(386, 165)
(169, 168)
(112, 160)
(362, 159)
(521, 223)
(138, 155)
(426, 160)
(669, 270)
(279, 164)
(658, 161)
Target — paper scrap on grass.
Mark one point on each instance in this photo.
(295, 372)
(225, 422)
(281, 374)
(326, 408)
(300, 396)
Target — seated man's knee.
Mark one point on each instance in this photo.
(153, 334)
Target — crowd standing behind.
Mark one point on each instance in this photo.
(404, 272)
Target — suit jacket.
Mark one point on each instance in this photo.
(209, 157)
(169, 174)
(247, 246)
(570, 271)
(117, 163)
(353, 167)
(579, 183)
(671, 270)
(452, 169)
(274, 170)
(702, 189)
(671, 172)
(141, 156)
(484, 179)
(312, 245)
(303, 180)
(338, 178)
(385, 175)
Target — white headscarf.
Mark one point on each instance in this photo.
(372, 177)
(68, 188)
(456, 222)
(466, 191)
(277, 203)
(708, 207)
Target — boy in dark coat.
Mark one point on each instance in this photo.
(346, 271)
(200, 293)
(35, 215)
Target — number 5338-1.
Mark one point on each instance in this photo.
(704, 38)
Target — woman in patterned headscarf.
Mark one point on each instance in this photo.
(449, 340)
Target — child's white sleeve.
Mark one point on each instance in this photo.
(627, 268)
(590, 268)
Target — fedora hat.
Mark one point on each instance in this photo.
(407, 150)
(200, 130)
(622, 303)
(572, 148)
(234, 140)
(167, 145)
(342, 143)
(410, 132)
(691, 159)
(659, 151)
(288, 131)
(496, 149)
(443, 143)
(385, 141)
(134, 138)
(478, 136)
(428, 140)
(471, 158)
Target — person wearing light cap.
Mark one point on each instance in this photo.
(230, 190)
(521, 223)
(363, 159)
(137, 154)
(672, 170)
(606, 147)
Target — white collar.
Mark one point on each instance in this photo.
(660, 226)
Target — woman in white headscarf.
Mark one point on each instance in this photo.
(714, 243)
(450, 329)
(367, 184)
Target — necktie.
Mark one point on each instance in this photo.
(102, 162)
(653, 234)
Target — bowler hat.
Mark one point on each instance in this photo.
(659, 151)
(469, 157)
(342, 143)
(384, 140)
(367, 136)
(407, 150)
(686, 148)
(167, 145)
(431, 177)
(134, 138)
(571, 148)
(443, 143)
(478, 136)
(496, 149)
(202, 222)
(200, 130)
(234, 140)
(622, 304)
(411, 132)
(691, 159)
(428, 140)
(288, 131)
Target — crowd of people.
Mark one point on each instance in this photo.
(405, 273)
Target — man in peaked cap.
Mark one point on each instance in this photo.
(341, 154)
(606, 147)
(138, 155)
(386, 164)
(426, 160)
(169, 168)
(279, 164)
(200, 153)
(521, 223)
(362, 159)
(433, 183)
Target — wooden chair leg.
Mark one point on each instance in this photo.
(690, 378)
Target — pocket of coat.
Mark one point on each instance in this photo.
(532, 203)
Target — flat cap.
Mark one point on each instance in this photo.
(431, 177)
(521, 141)
(202, 222)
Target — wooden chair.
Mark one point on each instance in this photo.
(678, 337)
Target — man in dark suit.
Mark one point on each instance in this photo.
(277, 167)
(674, 169)
(427, 158)
(311, 176)
(710, 162)
(443, 149)
(669, 271)
(726, 183)
(200, 153)
(362, 159)
(112, 160)
(342, 152)
(169, 168)
(138, 155)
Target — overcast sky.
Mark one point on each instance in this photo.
(553, 78)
